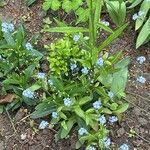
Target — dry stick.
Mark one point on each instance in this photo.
(135, 94)
(139, 135)
(24, 118)
(11, 121)
(135, 105)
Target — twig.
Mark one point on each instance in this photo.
(135, 94)
(15, 131)
(24, 118)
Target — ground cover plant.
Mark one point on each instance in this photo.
(84, 89)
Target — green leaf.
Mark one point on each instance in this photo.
(8, 37)
(66, 29)
(84, 100)
(29, 71)
(79, 112)
(144, 33)
(30, 2)
(35, 87)
(145, 7)
(106, 111)
(69, 125)
(101, 91)
(1, 109)
(102, 26)
(122, 108)
(112, 37)
(117, 11)
(43, 109)
(135, 3)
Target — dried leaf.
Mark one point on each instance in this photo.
(7, 99)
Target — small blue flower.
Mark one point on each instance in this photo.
(29, 46)
(91, 148)
(82, 131)
(102, 119)
(113, 119)
(50, 82)
(141, 59)
(76, 37)
(141, 79)
(106, 23)
(85, 70)
(73, 66)
(124, 147)
(106, 142)
(7, 27)
(110, 94)
(28, 93)
(43, 124)
(100, 62)
(135, 16)
(67, 102)
(141, 13)
(97, 105)
(55, 115)
(41, 75)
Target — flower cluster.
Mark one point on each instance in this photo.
(41, 75)
(73, 66)
(97, 105)
(110, 94)
(85, 70)
(141, 79)
(7, 27)
(113, 119)
(102, 119)
(54, 115)
(50, 82)
(106, 142)
(100, 62)
(82, 131)
(138, 15)
(106, 23)
(43, 124)
(124, 147)
(28, 93)
(76, 37)
(91, 148)
(67, 102)
(28, 46)
(141, 59)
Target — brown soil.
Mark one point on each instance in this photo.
(25, 134)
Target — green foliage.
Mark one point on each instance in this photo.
(117, 11)
(84, 88)
(142, 22)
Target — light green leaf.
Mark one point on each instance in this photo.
(144, 33)
(66, 29)
(122, 108)
(102, 26)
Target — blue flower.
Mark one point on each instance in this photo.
(102, 119)
(54, 115)
(141, 13)
(67, 102)
(141, 79)
(135, 16)
(43, 124)
(113, 119)
(106, 23)
(82, 131)
(85, 70)
(73, 66)
(41, 75)
(97, 105)
(141, 59)
(124, 147)
(28, 93)
(7, 27)
(91, 148)
(76, 37)
(50, 82)
(110, 94)
(100, 62)
(106, 142)
(29, 46)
